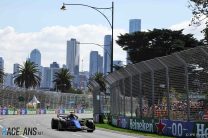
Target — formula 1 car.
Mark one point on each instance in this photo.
(64, 122)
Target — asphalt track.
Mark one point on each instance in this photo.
(42, 123)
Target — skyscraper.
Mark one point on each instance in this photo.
(45, 78)
(54, 68)
(35, 57)
(54, 65)
(16, 67)
(8, 79)
(1, 63)
(107, 53)
(96, 63)
(134, 26)
(53, 71)
(72, 58)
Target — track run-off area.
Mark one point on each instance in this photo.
(41, 128)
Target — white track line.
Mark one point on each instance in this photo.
(76, 135)
(23, 136)
(1, 126)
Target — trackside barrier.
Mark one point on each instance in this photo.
(31, 112)
(163, 126)
(40, 111)
(60, 111)
(12, 112)
(50, 111)
(67, 111)
(89, 111)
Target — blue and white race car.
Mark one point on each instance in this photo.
(70, 122)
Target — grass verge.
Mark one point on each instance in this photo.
(107, 126)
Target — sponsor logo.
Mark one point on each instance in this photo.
(201, 131)
(114, 121)
(160, 126)
(17, 131)
(123, 123)
(141, 125)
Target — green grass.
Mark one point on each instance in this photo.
(107, 126)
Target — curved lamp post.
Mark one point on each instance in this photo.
(102, 46)
(110, 22)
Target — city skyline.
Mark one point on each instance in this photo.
(55, 27)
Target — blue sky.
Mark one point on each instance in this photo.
(32, 15)
(29, 24)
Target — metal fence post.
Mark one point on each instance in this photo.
(186, 84)
(153, 88)
(167, 85)
(130, 90)
(124, 94)
(140, 95)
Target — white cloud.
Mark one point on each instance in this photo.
(15, 47)
(193, 29)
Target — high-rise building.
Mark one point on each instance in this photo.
(83, 79)
(35, 57)
(8, 79)
(96, 63)
(64, 66)
(1, 63)
(53, 71)
(134, 26)
(16, 67)
(54, 65)
(45, 78)
(107, 54)
(73, 55)
(72, 60)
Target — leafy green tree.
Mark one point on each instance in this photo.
(199, 10)
(73, 90)
(63, 80)
(1, 76)
(28, 75)
(156, 43)
(99, 78)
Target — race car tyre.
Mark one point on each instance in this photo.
(90, 130)
(53, 125)
(60, 127)
(91, 126)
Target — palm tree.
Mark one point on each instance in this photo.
(63, 80)
(28, 75)
(1, 75)
(99, 78)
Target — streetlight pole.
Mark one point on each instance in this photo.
(111, 23)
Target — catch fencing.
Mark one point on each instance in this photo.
(172, 87)
(13, 97)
